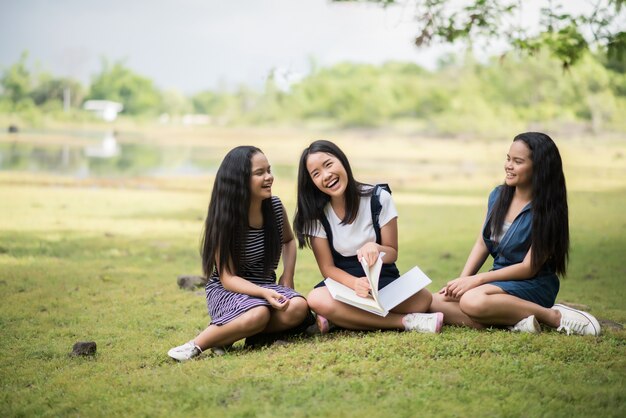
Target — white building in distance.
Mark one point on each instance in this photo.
(105, 109)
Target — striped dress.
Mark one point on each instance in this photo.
(224, 305)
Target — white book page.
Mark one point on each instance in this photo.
(345, 294)
(403, 288)
(373, 275)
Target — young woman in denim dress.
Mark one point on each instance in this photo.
(526, 232)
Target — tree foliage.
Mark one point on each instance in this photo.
(16, 80)
(50, 91)
(462, 96)
(24, 91)
(567, 35)
(119, 83)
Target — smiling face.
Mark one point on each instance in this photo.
(261, 177)
(327, 173)
(519, 166)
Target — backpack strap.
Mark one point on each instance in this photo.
(376, 208)
(351, 264)
(329, 232)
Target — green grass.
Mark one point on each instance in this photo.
(98, 261)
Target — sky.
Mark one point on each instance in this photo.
(191, 45)
(194, 45)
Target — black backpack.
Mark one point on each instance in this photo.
(377, 207)
(351, 264)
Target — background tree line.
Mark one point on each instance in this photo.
(461, 96)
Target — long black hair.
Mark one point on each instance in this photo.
(550, 228)
(226, 225)
(311, 200)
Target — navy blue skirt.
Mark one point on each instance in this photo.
(540, 290)
(351, 265)
(382, 282)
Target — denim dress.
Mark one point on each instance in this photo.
(540, 289)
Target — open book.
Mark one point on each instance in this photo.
(381, 301)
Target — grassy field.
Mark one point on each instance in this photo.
(97, 259)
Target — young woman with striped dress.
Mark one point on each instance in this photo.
(246, 230)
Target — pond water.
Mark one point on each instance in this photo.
(107, 157)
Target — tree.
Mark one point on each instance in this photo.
(212, 103)
(119, 83)
(51, 89)
(16, 80)
(567, 35)
(174, 102)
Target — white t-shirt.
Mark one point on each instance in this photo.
(347, 239)
(505, 227)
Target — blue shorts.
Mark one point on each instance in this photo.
(540, 290)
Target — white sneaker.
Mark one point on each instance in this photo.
(185, 352)
(578, 322)
(528, 325)
(423, 322)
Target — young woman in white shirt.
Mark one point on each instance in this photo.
(334, 219)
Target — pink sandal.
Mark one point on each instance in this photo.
(322, 324)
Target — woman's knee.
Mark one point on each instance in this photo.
(474, 303)
(297, 311)
(419, 302)
(255, 320)
(320, 301)
(425, 299)
(437, 302)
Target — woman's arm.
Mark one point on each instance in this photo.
(476, 258)
(238, 284)
(475, 261)
(289, 254)
(519, 271)
(388, 245)
(324, 258)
